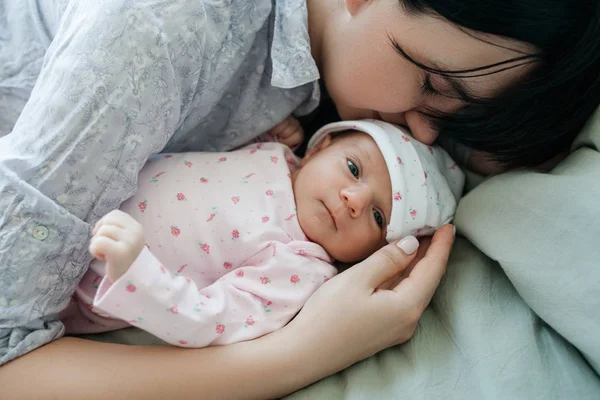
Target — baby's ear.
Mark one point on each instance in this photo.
(326, 142)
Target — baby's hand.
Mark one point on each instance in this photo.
(117, 239)
(288, 132)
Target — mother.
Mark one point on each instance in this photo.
(90, 89)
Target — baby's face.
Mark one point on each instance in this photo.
(344, 196)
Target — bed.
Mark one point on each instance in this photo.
(517, 314)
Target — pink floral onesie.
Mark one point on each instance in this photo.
(225, 257)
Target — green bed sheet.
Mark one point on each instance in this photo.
(517, 315)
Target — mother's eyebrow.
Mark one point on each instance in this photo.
(461, 90)
(454, 78)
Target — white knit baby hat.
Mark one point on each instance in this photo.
(426, 182)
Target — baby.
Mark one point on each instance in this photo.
(217, 248)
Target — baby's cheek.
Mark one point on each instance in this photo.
(378, 246)
(361, 247)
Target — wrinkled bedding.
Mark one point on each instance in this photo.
(516, 316)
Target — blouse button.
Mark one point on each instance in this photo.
(40, 232)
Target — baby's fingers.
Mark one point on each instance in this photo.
(278, 129)
(111, 250)
(293, 140)
(118, 218)
(292, 127)
(97, 226)
(110, 231)
(100, 246)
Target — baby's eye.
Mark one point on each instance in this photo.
(353, 169)
(378, 218)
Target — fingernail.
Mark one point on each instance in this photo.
(408, 244)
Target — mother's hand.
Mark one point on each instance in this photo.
(369, 307)
(377, 303)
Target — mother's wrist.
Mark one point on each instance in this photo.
(298, 356)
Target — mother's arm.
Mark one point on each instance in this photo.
(94, 117)
(332, 332)
(73, 368)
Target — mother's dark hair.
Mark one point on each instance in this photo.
(539, 117)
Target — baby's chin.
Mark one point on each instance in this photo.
(350, 255)
(343, 256)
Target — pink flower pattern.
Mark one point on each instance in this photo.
(142, 205)
(181, 268)
(205, 247)
(179, 227)
(155, 177)
(413, 213)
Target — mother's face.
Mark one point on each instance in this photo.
(367, 77)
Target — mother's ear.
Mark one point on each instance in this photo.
(326, 142)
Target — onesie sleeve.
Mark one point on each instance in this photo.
(257, 298)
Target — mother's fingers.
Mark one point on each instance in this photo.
(386, 263)
(395, 280)
(425, 276)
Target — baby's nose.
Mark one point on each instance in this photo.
(357, 198)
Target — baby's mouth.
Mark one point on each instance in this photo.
(331, 215)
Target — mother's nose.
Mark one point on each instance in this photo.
(415, 122)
